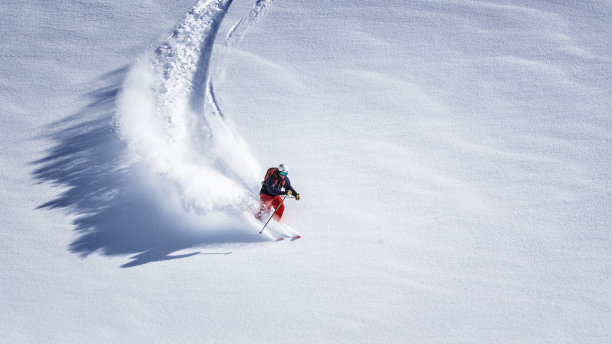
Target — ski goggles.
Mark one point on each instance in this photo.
(283, 173)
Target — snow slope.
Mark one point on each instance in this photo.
(453, 159)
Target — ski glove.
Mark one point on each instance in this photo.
(297, 197)
(288, 192)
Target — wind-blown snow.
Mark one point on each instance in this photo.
(453, 159)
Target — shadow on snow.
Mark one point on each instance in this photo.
(113, 215)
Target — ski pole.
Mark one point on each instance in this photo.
(281, 203)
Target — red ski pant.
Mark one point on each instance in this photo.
(271, 202)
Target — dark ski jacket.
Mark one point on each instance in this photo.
(272, 186)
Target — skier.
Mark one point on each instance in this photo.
(275, 184)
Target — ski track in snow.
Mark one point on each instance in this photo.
(235, 34)
(240, 29)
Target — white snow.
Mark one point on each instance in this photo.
(453, 158)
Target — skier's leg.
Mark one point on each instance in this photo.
(266, 202)
(279, 212)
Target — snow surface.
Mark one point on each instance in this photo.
(453, 158)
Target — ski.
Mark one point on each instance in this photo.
(278, 232)
(291, 238)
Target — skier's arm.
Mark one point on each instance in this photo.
(289, 187)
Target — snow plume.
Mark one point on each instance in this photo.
(171, 129)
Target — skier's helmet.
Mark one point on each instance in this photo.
(283, 170)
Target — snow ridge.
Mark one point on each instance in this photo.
(185, 142)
